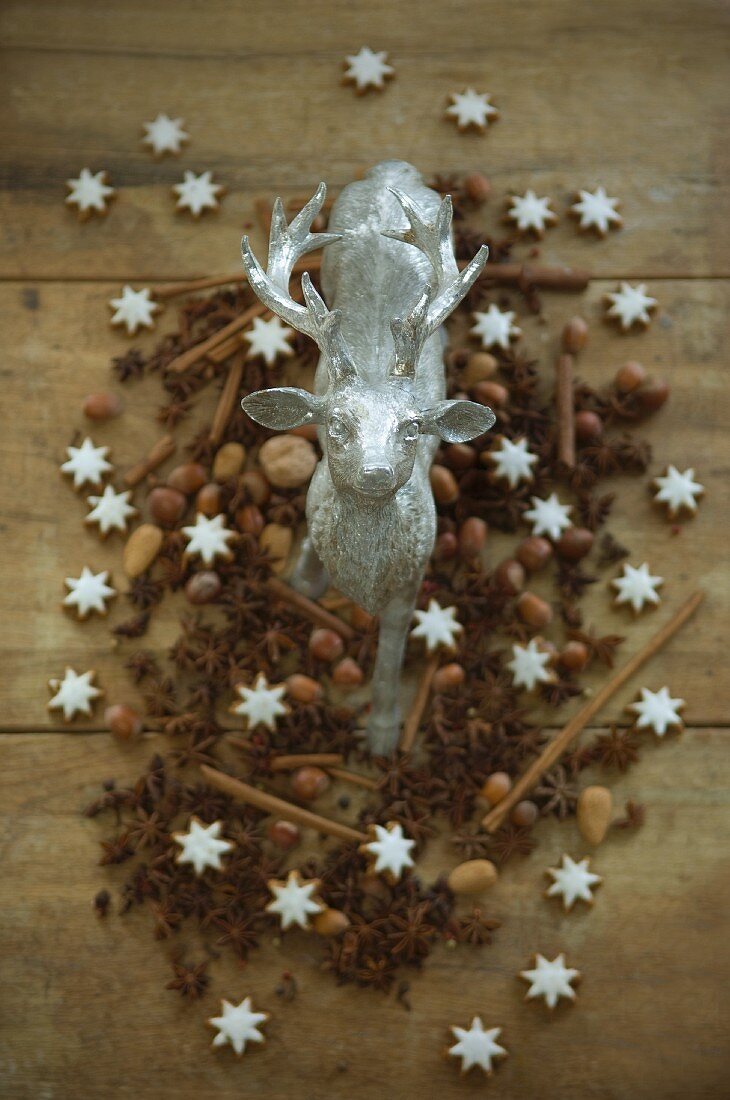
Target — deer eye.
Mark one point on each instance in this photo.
(337, 429)
(409, 430)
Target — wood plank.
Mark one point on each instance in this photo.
(577, 110)
(60, 352)
(87, 1013)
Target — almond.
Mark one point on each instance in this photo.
(472, 877)
(141, 549)
(228, 461)
(277, 540)
(330, 922)
(594, 813)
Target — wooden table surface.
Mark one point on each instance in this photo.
(629, 94)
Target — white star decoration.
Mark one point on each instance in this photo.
(513, 461)
(437, 626)
(471, 108)
(631, 305)
(293, 901)
(201, 845)
(208, 538)
(496, 327)
(572, 881)
(74, 694)
(238, 1025)
(87, 463)
(637, 587)
(88, 592)
(528, 665)
(89, 192)
(477, 1047)
(164, 135)
(549, 517)
(550, 980)
(596, 211)
(389, 850)
(134, 309)
(528, 212)
(657, 711)
(197, 193)
(366, 69)
(268, 339)
(111, 510)
(678, 491)
(261, 704)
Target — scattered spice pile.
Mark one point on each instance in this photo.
(245, 627)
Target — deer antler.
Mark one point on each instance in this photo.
(436, 302)
(287, 244)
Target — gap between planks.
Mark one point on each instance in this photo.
(86, 280)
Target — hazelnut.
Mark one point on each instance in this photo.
(510, 576)
(575, 335)
(534, 611)
(459, 456)
(588, 426)
(479, 367)
(443, 483)
(209, 500)
(524, 815)
(347, 673)
(187, 478)
(325, 644)
(250, 520)
(477, 187)
(228, 461)
(446, 546)
(498, 785)
(288, 461)
(574, 656)
(472, 537)
(574, 543)
(203, 587)
(448, 677)
(308, 783)
(534, 553)
(123, 722)
(629, 376)
(284, 834)
(256, 486)
(490, 393)
(303, 688)
(652, 394)
(166, 505)
(276, 540)
(102, 406)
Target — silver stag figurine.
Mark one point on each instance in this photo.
(390, 276)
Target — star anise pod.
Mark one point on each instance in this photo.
(239, 931)
(143, 592)
(411, 934)
(474, 929)
(130, 365)
(559, 691)
(167, 918)
(379, 973)
(603, 648)
(134, 627)
(635, 816)
(171, 414)
(141, 665)
(116, 850)
(473, 845)
(617, 748)
(148, 830)
(557, 793)
(189, 981)
(610, 551)
(593, 510)
(512, 840)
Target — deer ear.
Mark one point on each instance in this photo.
(457, 421)
(283, 407)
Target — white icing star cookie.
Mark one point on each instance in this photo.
(201, 845)
(678, 491)
(595, 210)
(367, 69)
(135, 309)
(513, 461)
(437, 626)
(261, 704)
(657, 711)
(238, 1025)
(87, 464)
(572, 882)
(549, 517)
(165, 135)
(209, 537)
(89, 193)
(529, 665)
(550, 980)
(496, 327)
(637, 587)
(88, 592)
(268, 339)
(75, 694)
(471, 109)
(293, 901)
(389, 850)
(530, 213)
(111, 510)
(197, 193)
(477, 1047)
(631, 305)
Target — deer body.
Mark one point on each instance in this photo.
(378, 398)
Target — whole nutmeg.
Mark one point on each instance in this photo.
(203, 587)
(479, 367)
(459, 456)
(534, 553)
(533, 610)
(166, 505)
(250, 519)
(444, 485)
(141, 549)
(593, 813)
(472, 876)
(477, 187)
(347, 673)
(303, 688)
(325, 644)
(102, 406)
(574, 656)
(446, 546)
(187, 478)
(276, 540)
(510, 576)
(288, 461)
(209, 500)
(652, 394)
(256, 486)
(524, 814)
(490, 393)
(123, 722)
(448, 677)
(228, 461)
(284, 834)
(575, 543)
(497, 785)
(575, 335)
(330, 922)
(308, 783)
(629, 376)
(588, 426)
(472, 537)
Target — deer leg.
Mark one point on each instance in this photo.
(309, 576)
(383, 726)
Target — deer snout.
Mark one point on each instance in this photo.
(376, 478)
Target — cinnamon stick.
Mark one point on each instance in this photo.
(352, 777)
(565, 404)
(413, 718)
(252, 796)
(309, 608)
(555, 749)
(193, 355)
(161, 451)
(173, 290)
(292, 761)
(227, 399)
